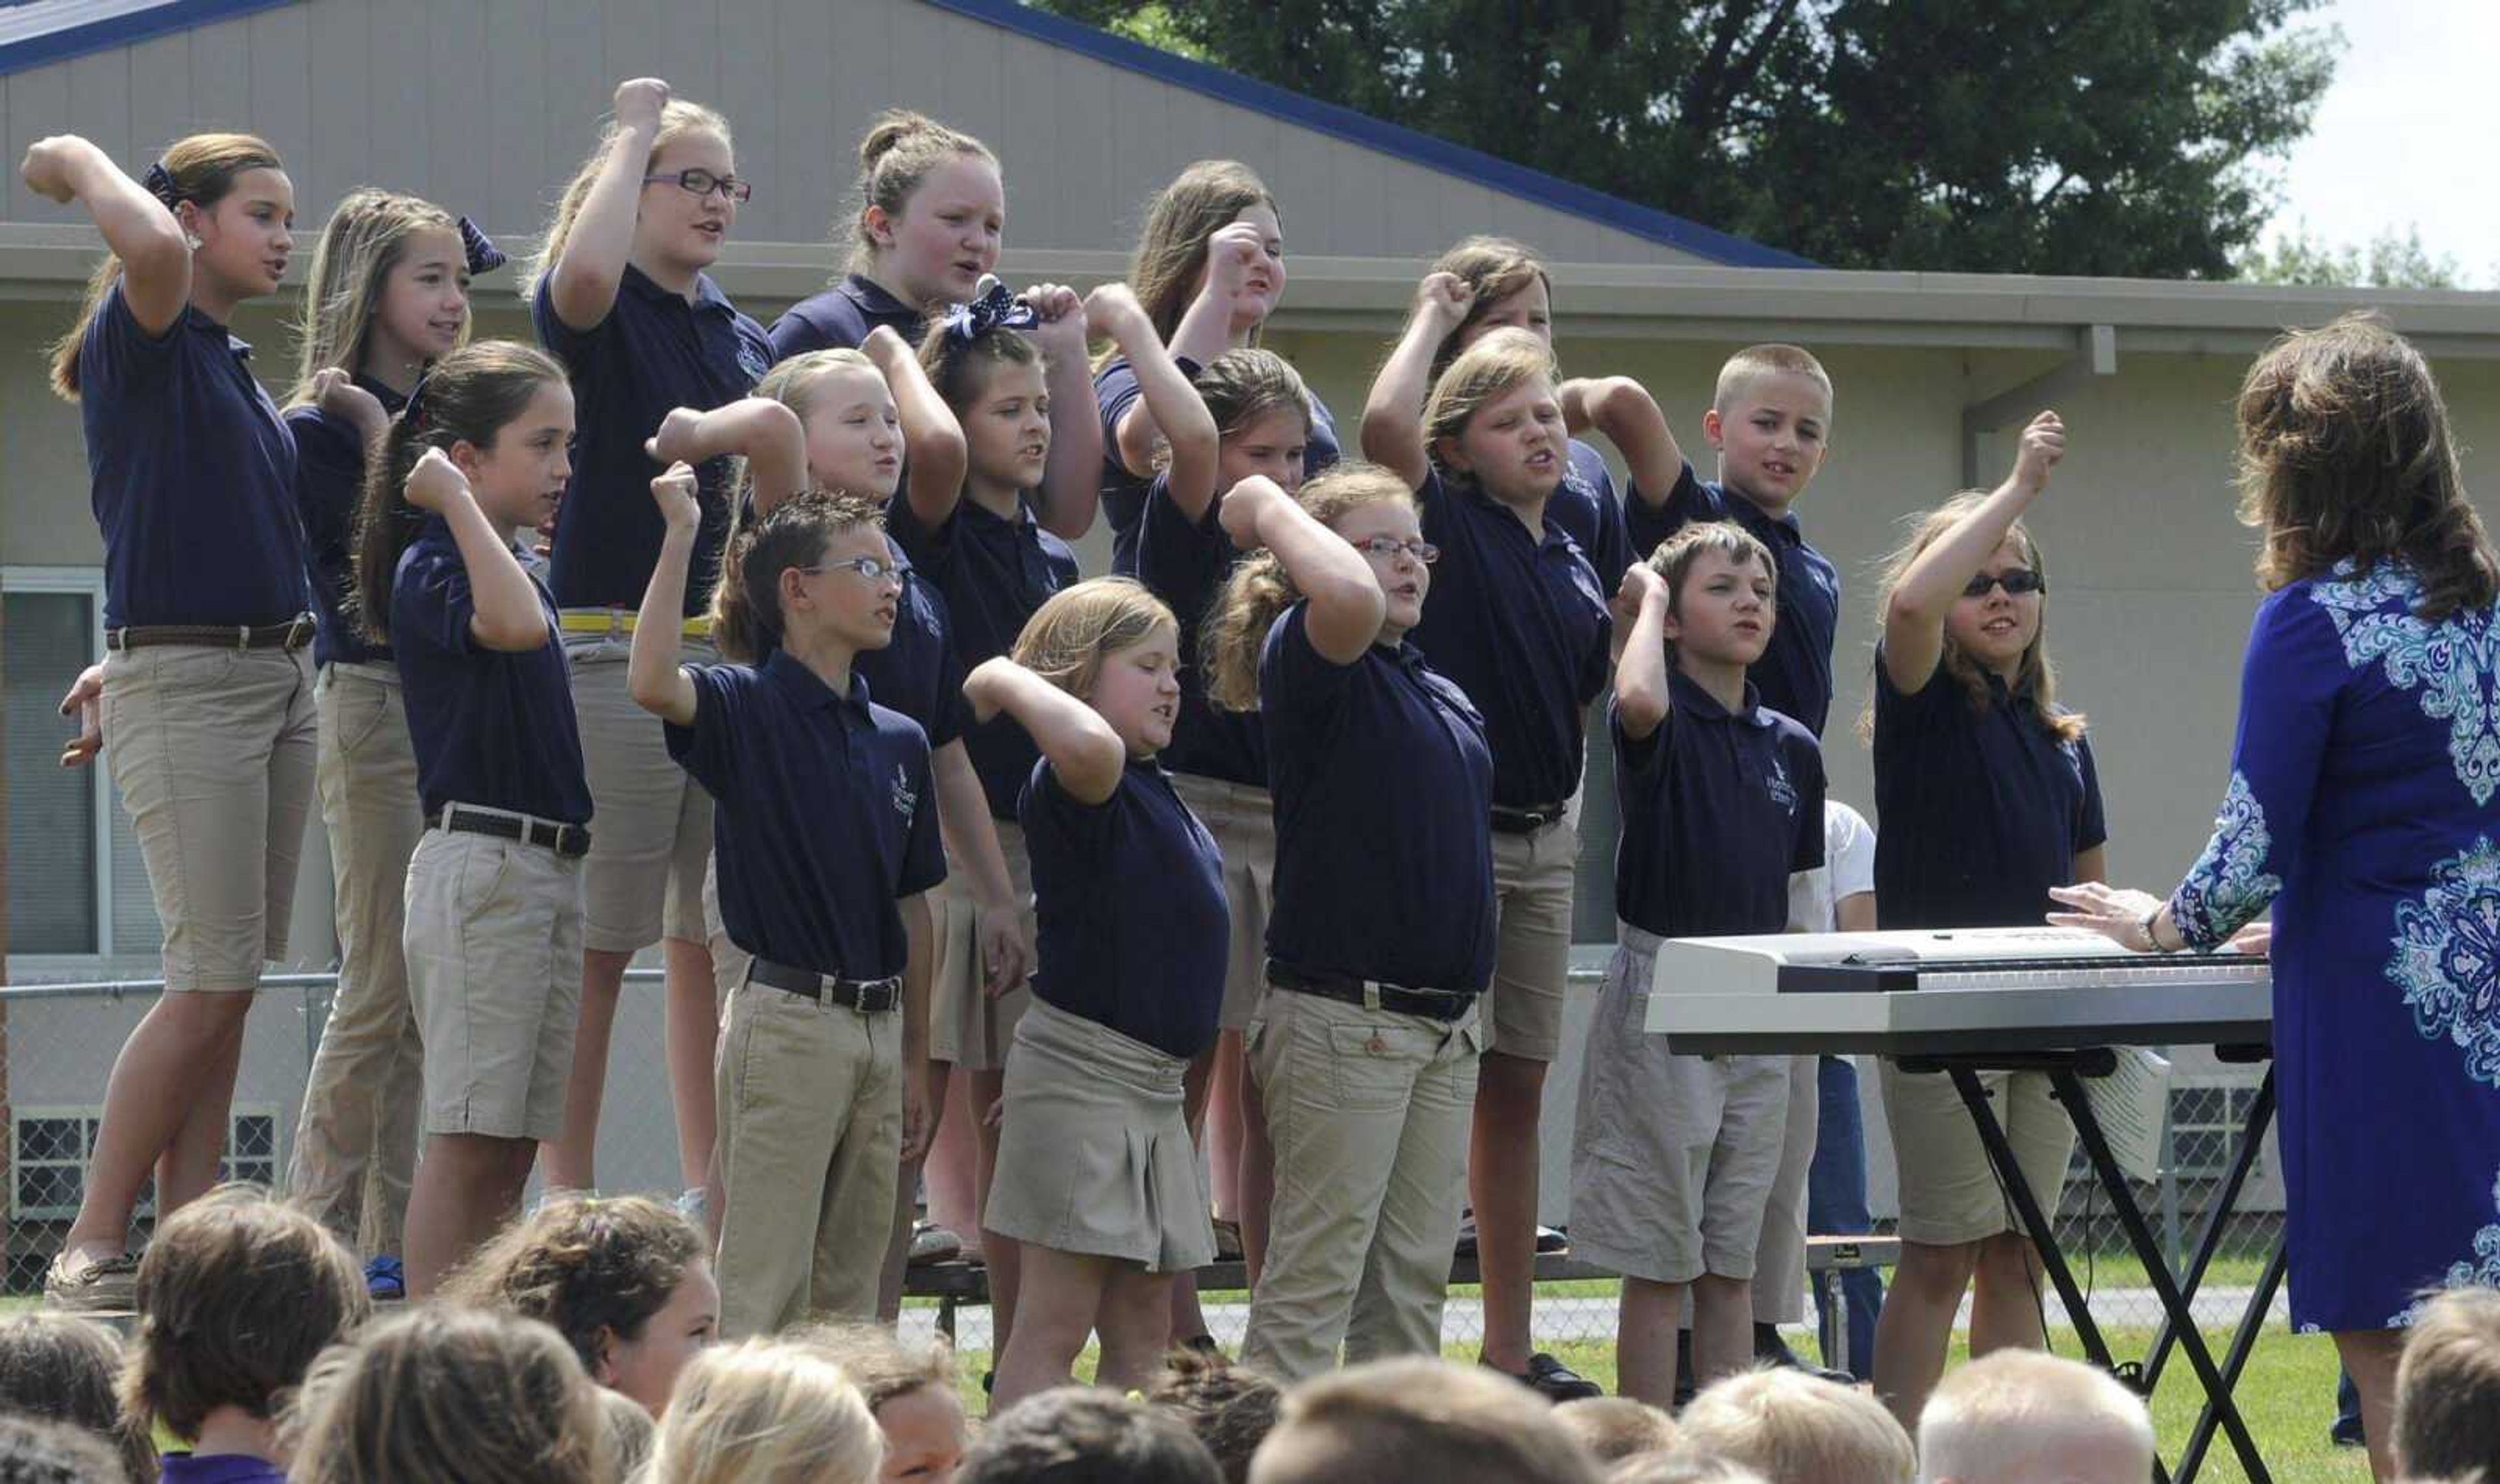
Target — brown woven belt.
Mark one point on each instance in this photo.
(294, 634)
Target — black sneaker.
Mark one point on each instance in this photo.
(1553, 1380)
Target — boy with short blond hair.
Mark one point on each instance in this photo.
(1617, 1428)
(2448, 1389)
(2024, 1417)
(1797, 1428)
(1770, 423)
(1450, 1424)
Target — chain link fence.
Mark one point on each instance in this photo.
(58, 1044)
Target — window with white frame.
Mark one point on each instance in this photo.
(77, 886)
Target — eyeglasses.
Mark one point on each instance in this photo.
(2021, 580)
(1383, 549)
(869, 569)
(702, 183)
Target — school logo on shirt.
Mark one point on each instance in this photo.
(753, 359)
(1783, 792)
(904, 800)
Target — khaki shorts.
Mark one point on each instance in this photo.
(809, 1099)
(1674, 1156)
(1531, 881)
(642, 880)
(1093, 1151)
(494, 968)
(967, 1027)
(1243, 821)
(213, 751)
(1950, 1193)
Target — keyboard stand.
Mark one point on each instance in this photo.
(2066, 1070)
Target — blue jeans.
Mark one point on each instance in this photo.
(1835, 1202)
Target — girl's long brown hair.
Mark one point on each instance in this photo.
(2345, 453)
(469, 396)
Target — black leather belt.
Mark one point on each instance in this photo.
(1371, 994)
(1509, 821)
(570, 840)
(294, 634)
(870, 997)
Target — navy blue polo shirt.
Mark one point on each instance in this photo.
(1795, 672)
(489, 726)
(840, 317)
(1520, 624)
(1134, 932)
(1184, 564)
(1586, 507)
(329, 488)
(994, 573)
(652, 354)
(1124, 494)
(1718, 808)
(1383, 799)
(822, 814)
(191, 474)
(918, 673)
(1982, 809)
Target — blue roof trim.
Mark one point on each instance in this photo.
(76, 37)
(1374, 134)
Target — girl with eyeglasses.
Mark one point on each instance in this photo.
(1366, 1041)
(622, 297)
(1989, 798)
(1520, 620)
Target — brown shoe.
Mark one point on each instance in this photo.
(102, 1286)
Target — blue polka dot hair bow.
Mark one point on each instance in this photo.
(992, 307)
(483, 255)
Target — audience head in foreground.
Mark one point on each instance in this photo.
(1444, 1423)
(1078, 1435)
(1792, 1428)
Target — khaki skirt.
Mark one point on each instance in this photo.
(1093, 1152)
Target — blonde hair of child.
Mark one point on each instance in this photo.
(2035, 679)
(895, 157)
(1259, 590)
(762, 1411)
(1491, 367)
(1754, 363)
(678, 119)
(2016, 1409)
(1450, 1424)
(1617, 1428)
(1797, 1428)
(1076, 628)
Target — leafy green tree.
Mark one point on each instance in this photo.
(2116, 137)
(2390, 260)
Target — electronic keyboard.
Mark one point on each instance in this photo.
(1959, 990)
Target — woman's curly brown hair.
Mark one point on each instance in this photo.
(591, 1265)
(2344, 451)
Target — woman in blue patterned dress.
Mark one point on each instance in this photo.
(2362, 803)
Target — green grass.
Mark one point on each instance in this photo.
(2287, 1395)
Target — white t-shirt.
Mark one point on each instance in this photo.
(1848, 868)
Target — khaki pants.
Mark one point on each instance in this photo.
(810, 1104)
(968, 1029)
(1532, 885)
(355, 1144)
(1779, 1267)
(213, 752)
(651, 836)
(1368, 1111)
(493, 940)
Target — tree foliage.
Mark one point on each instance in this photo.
(2390, 260)
(2114, 136)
